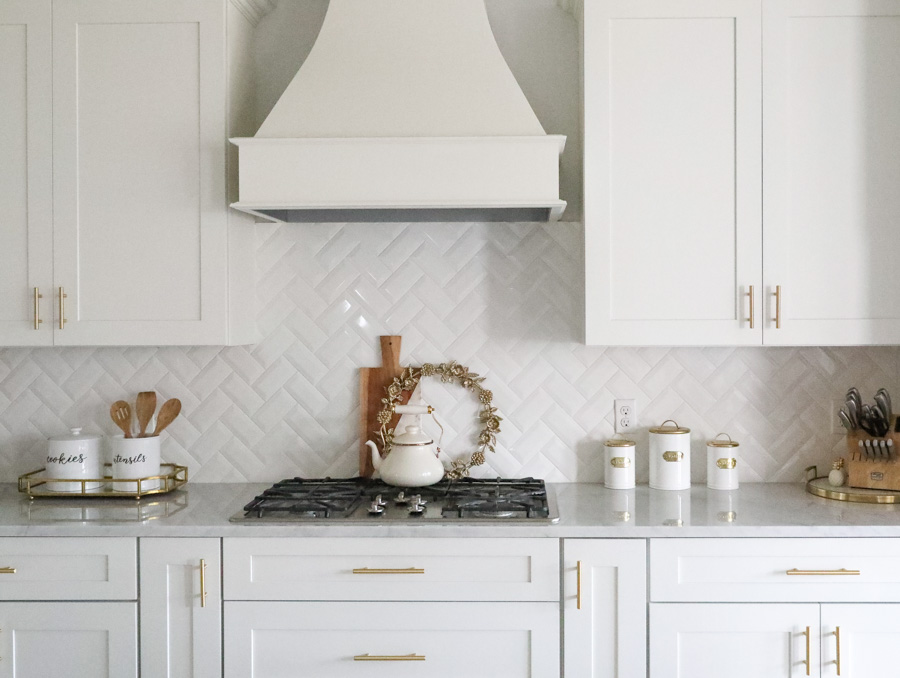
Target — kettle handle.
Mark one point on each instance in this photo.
(413, 409)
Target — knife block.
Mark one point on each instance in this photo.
(873, 474)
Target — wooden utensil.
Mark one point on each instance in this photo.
(167, 414)
(145, 407)
(120, 411)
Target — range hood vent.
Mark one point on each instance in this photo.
(404, 110)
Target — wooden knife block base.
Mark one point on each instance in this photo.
(873, 474)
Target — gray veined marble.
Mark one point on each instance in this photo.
(586, 510)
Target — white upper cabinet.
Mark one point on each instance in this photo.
(134, 244)
(831, 98)
(26, 224)
(672, 171)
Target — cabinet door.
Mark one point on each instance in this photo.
(26, 247)
(605, 608)
(695, 640)
(832, 167)
(64, 640)
(438, 640)
(140, 241)
(859, 641)
(672, 172)
(181, 603)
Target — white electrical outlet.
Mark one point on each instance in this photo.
(625, 415)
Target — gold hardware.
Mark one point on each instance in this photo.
(389, 657)
(837, 640)
(7, 570)
(752, 317)
(37, 308)
(619, 442)
(389, 570)
(842, 571)
(62, 308)
(620, 462)
(670, 430)
(715, 442)
(726, 463)
(806, 633)
(777, 296)
(578, 586)
(202, 582)
(673, 456)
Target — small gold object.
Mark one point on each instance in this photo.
(752, 310)
(674, 429)
(389, 657)
(62, 308)
(673, 456)
(726, 463)
(841, 572)
(620, 462)
(777, 295)
(837, 640)
(202, 582)
(806, 633)
(37, 308)
(388, 570)
(578, 586)
(7, 570)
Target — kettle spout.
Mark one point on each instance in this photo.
(376, 457)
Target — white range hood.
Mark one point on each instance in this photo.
(404, 110)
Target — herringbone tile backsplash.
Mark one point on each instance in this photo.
(506, 300)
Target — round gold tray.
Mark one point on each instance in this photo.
(820, 487)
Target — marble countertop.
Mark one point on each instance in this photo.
(586, 510)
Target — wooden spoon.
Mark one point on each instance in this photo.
(120, 411)
(145, 407)
(167, 414)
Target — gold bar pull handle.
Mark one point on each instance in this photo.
(62, 308)
(578, 586)
(752, 317)
(202, 582)
(806, 633)
(7, 570)
(388, 570)
(37, 308)
(777, 295)
(837, 641)
(389, 657)
(822, 573)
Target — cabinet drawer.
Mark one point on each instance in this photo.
(501, 640)
(58, 568)
(391, 569)
(790, 570)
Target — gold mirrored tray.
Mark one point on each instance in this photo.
(819, 486)
(36, 484)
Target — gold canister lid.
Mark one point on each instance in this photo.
(715, 442)
(670, 430)
(619, 442)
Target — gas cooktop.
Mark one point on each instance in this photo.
(362, 500)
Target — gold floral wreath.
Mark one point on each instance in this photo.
(451, 371)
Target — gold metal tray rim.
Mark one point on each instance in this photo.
(858, 495)
(172, 480)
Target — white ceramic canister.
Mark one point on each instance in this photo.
(670, 457)
(721, 463)
(619, 470)
(134, 458)
(75, 456)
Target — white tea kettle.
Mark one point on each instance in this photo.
(412, 461)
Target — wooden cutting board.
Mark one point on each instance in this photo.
(372, 383)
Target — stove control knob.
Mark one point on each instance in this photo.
(417, 499)
(379, 501)
(376, 508)
(416, 509)
(401, 499)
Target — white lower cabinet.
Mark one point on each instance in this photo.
(859, 641)
(605, 608)
(700, 640)
(391, 607)
(68, 640)
(181, 608)
(440, 640)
